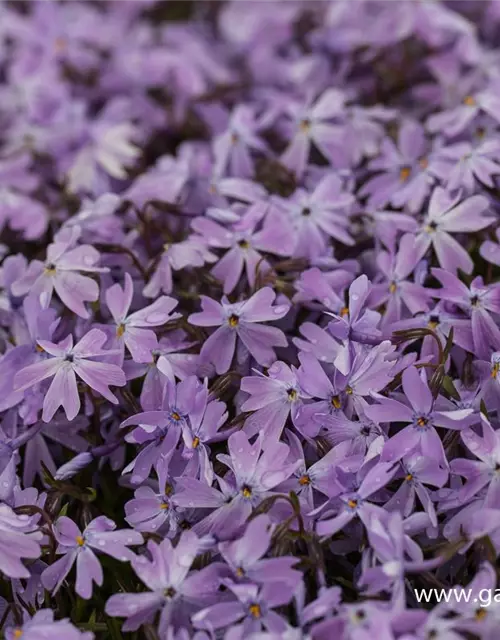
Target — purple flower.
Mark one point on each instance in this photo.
(252, 609)
(241, 320)
(75, 546)
(174, 590)
(19, 539)
(319, 216)
(273, 397)
(446, 216)
(66, 363)
(312, 124)
(130, 331)
(61, 272)
(245, 556)
(246, 245)
(405, 176)
(422, 417)
(479, 302)
(42, 626)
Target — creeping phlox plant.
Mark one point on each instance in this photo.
(249, 320)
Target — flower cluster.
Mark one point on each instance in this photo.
(249, 319)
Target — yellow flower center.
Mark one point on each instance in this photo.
(495, 369)
(176, 416)
(470, 101)
(422, 422)
(392, 287)
(352, 504)
(164, 506)
(349, 391)
(305, 125)
(196, 442)
(404, 173)
(243, 244)
(233, 320)
(18, 633)
(50, 270)
(80, 541)
(409, 477)
(344, 311)
(39, 348)
(292, 395)
(246, 491)
(240, 572)
(168, 489)
(255, 610)
(336, 402)
(481, 613)
(304, 480)
(120, 330)
(166, 246)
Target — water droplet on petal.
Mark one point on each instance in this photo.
(354, 296)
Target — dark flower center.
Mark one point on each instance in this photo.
(169, 592)
(69, 357)
(233, 320)
(474, 301)
(292, 394)
(306, 211)
(422, 422)
(246, 491)
(243, 244)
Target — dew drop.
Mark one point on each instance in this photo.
(101, 543)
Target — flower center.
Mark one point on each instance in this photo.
(50, 269)
(169, 592)
(80, 541)
(69, 357)
(495, 369)
(392, 287)
(166, 246)
(349, 391)
(433, 322)
(175, 416)
(164, 506)
(168, 489)
(292, 394)
(120, 330)
(352, 504)
(240, 572)
(255, 610)
(234, 138)
(39, 348)
(474, 301)
(344, 312)
(470, 101)
(243, 244)
(233, 320)
(196, 442)
(480, 613)
(304, 480)
(246, 491)
(305, 125)
(18, 633)
(306, 211)
(404, 173)
(335, 402)
(409, 477)
(422, 422)
(431, 227)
